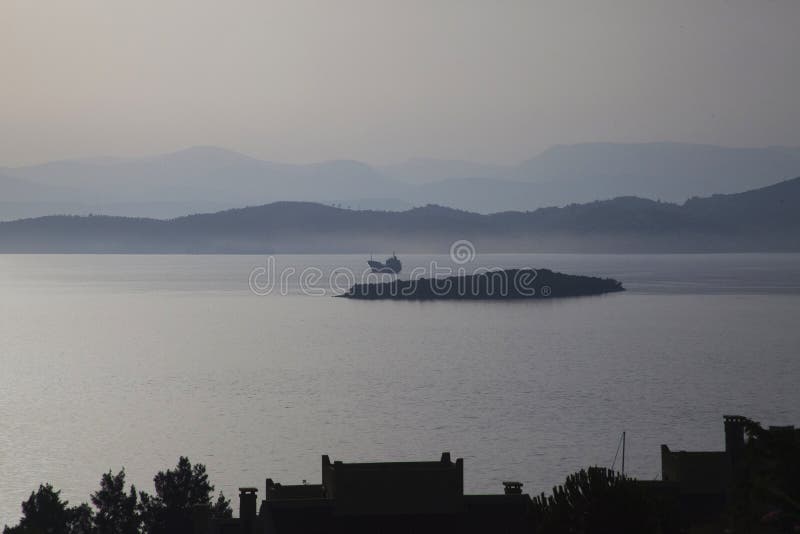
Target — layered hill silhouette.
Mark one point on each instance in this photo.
(205, 179)
(765, 219)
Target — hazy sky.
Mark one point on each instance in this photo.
(384, 81)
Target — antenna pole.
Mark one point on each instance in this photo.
(623, 453)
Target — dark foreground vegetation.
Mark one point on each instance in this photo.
(115, 510)
(494, 285)
(763, 496)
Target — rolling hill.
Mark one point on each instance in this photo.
(765, 219)
(201, 179)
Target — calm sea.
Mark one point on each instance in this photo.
(112, 361)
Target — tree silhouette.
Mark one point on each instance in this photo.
(766, 491)
(45, 513)
(595, 501)
(178, 493)
(81, 520)
(222, 508)
(116, 511)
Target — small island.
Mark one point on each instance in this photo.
(510, 284)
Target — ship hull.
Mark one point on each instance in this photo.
(381, 268)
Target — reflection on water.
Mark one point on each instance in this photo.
(111, 361)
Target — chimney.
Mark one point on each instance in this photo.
(734, 436)
(512, 488)
(445, 458)
(247, 508)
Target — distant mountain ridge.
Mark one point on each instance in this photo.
(765, 219)
(210, 178)
(666, 171)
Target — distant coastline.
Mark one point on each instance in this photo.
(761, 220)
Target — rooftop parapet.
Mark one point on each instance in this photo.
(735, 419)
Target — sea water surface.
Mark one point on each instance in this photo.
(130, 361)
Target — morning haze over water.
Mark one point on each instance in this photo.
(308, 267)
(175, 355)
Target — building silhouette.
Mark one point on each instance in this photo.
(703, 482)
(392, 497)
(696, 488)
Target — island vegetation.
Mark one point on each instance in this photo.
(510, 284)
